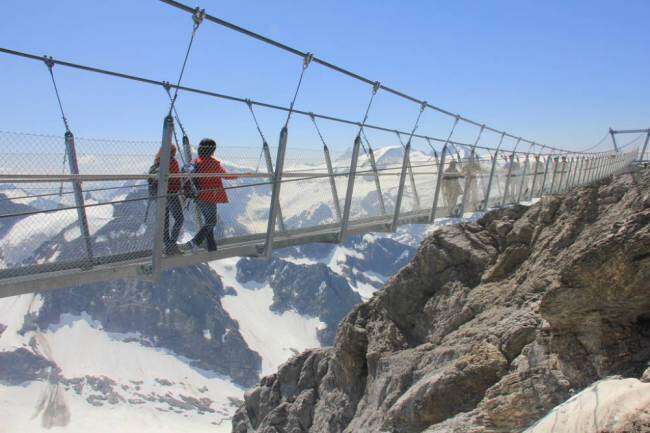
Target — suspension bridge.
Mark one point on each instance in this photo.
(109, 226)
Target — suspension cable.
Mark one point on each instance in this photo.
(197, 18)
(230, 97)
(305, 64)
(375, 87)
(249, 103)
(49, 62)
(334, 67)
(313, 120)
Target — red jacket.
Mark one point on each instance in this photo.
(174, 184)
(211, 188)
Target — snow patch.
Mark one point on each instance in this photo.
(276, 337)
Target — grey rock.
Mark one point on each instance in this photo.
(489, 326)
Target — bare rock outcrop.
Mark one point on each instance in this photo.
(489, 327)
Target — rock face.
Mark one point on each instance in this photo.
(311, 289)
(490, 326)
(182, 313)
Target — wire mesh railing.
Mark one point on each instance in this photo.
(44, 228)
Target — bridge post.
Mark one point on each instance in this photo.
(567, 176)
(439, 180)
(523, 177)
(269, 169)
(468, 179)
(546, 167)
(532, 188)
(586, 171)
(274, 208)
(400, 188)
(603, 167)
(613, 134)
(161, 197)
(330, 171)
(506, 189)
(556, 165)
(416, 197)
(645, 147)
(581, 171)
(573, 163)
(78, 195)
(350, 189)
(373, 166)
(187, 154)
(562, 169)
(575, 171)
(466, 185)
(594, 169)
(581, 162)
(490, 180)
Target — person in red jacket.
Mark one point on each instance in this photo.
(174, 205)
(210, 192)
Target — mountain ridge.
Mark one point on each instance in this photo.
(488, 328)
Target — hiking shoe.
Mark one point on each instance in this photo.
(172, 250)
(188, 247)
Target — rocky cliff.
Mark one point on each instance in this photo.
(490, 326)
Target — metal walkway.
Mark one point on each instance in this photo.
(82, 208)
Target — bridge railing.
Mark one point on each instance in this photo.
(44, 232)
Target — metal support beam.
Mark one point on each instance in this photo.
(416, 197)
(562, 170)
(566, 172)
(350, 189)
(269, 169)
(642, 156)
(274, 209)
(486, 201)
(535, 176)
(581, 169)
(549, 159)
(572, 180)
(161, 197)
(439, 180)
(187, 155)
(335, 194)
(488, 190)
(373, 165)
(78, 195)
(611, 132)
(506, 191)
(471, 176)
(586, 178)
(400, 188)
(523, 177)
(556, 166)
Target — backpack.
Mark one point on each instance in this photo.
(192, 187)
(152, 182)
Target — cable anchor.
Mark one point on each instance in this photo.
(49, 61)
(375, 87)
(197, 17)
(307, 60)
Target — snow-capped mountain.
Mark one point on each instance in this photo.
(179, 354)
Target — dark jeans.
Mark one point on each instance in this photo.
(174, 208)
(209, 213)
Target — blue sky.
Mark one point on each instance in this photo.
(558, 72)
